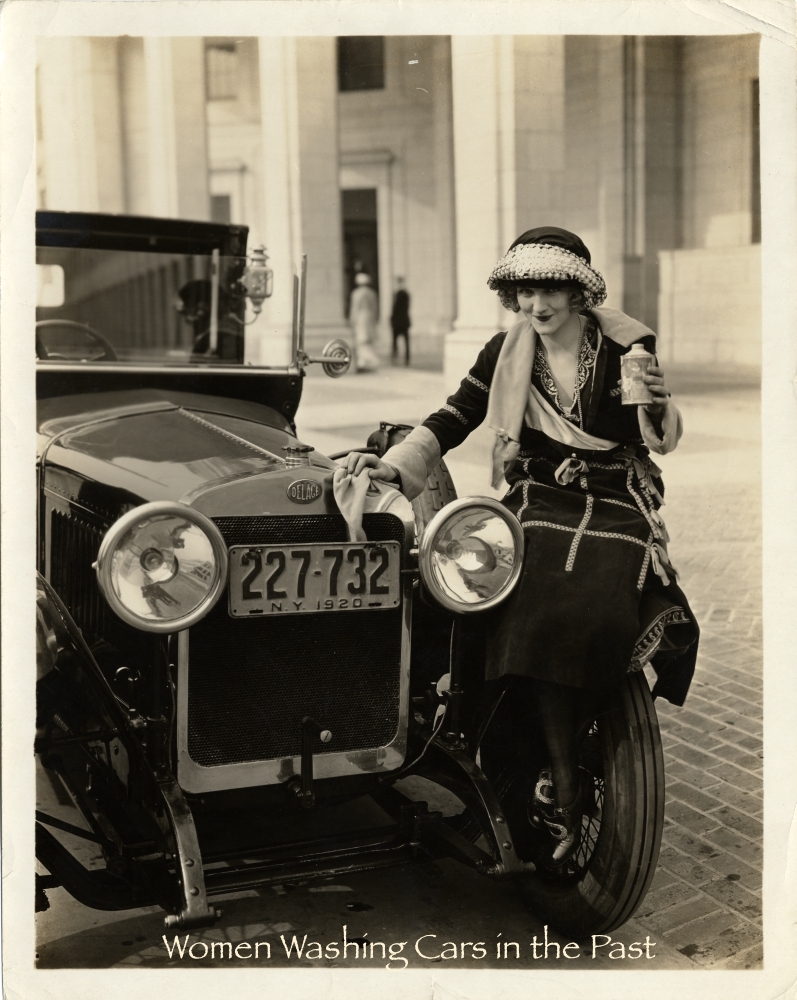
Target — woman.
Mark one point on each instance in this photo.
(598, 596)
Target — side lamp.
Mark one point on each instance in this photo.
(258, 280)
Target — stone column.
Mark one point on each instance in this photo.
(444, 187)
(509, 121)
(108, 146)
(538, 93)
(161, 127)
(322, 231)
(123, 123)
(477, 195)
(68, 147)
(609, 251)
(190, 127)
(135, 124)
(281, 187)
(663, 116)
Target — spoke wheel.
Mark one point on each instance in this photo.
(594, 791)
(622, 767)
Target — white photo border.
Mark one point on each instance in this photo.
(21, 22)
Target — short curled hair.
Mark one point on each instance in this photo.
(507, 292)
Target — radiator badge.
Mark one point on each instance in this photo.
(304, 491)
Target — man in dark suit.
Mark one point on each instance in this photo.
(400, 320)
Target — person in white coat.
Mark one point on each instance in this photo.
(363, 316)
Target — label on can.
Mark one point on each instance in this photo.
(633, 368)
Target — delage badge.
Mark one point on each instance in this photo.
(304, 491)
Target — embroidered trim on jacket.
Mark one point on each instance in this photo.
(620, 503)
(586, 360)
(645, 563)
(455, 411)
(587, 531)
(477, 383)
(648, 644)
(571, 557)
(525, 500)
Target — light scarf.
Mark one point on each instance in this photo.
(510, 400)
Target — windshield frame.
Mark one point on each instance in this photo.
(158, 237)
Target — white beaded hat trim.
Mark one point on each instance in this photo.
(541, 262)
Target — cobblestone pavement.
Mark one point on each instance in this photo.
(704, 907)
(705, 900)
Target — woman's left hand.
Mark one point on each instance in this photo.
(654, 380)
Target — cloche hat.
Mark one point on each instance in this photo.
(547, 253)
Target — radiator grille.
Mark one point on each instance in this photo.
(251, 681)
(74, 545)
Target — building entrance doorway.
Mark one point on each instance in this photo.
(360, 247)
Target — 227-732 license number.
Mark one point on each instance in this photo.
(317, 576)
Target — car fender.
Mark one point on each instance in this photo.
(73, 693)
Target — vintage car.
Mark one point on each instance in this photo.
(220, 668)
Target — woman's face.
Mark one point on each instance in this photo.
(547, 308)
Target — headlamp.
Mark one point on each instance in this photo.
(471, 554)
(162, 566)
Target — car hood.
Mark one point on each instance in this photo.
(164, 447)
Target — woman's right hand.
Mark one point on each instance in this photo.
(356, 461)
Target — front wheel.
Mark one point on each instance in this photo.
(622, 763)
(608, 877)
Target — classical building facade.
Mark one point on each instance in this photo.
(424, 157)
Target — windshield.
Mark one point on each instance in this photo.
(128, 306)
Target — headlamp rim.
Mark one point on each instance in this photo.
(110, 544)
(433, 528)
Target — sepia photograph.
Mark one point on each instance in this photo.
(398, 501)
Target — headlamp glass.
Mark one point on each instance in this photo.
(162, 566)
(471, 555)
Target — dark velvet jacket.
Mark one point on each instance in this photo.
(602, 413)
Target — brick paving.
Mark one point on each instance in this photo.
(706, 896)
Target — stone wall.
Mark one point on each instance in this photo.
(710, 289)
(717, 139)
(710, 307)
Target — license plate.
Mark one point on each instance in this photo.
(296, 579)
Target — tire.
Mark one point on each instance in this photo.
(602, 886)
(439, 489)
(609, 880)
(438, 492)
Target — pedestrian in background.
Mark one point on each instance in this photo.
(400, 320)
(363, 316)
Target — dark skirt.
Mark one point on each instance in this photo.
(598, 596)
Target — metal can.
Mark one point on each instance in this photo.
(633, 368)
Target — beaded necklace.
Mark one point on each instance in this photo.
(587, 356)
